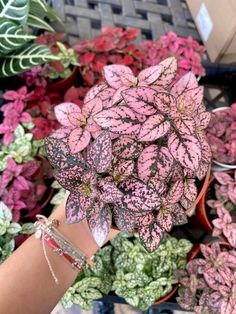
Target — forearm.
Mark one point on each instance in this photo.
(28, 284)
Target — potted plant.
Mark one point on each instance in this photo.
(216, 211)
(17, 50)
(132, 154)
(221, 134)
(126, 268)
(209, 283)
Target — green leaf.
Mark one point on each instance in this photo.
(27, 228)
(19, 131)
(29, 57)
(12, 36)
(14, 228)
(3, 229)
(37, 22)
(15, 10)
(5, 213)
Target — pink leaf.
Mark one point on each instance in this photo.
(223, 178)
(124, 219)
(141, 100)
(185, 125)
(93, 92)
(109, 191)
(117, 96)
(79, 139)
(20, 183)
(107, 97)
(74, 211)
(169, 70)
(178, 215)
(164, 102)
(150, 75)
(92, 107)
(190, 193)
(100, 153)
(146, 220)
(184, 84)
(120, 120)
(70, 179)
(119, 75)
(164, 219)
(138, 197)
(127, 148)
(63, 111)
(154, 162)
(186, 149)
(29, 168)
(100, 223)
(151, 236)
(175, 192)
(203, 119)
(153, 128)
(123, 169)
(25, 117)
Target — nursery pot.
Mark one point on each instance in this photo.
(191, 255)
(221, 164)
(201, 218)
(203, 189)
(62, 86)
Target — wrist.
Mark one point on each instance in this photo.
(78, 234)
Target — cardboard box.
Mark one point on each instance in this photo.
(216, 23)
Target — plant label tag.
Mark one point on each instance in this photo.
(204, 22)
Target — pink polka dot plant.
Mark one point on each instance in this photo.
(132, 153)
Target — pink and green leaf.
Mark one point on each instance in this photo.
(153, 128)
(151, 236)
(149, 75)
(78, 140)
(64, 110)
(127, 148)
(74, 211)
(117, 76)
(190, 193)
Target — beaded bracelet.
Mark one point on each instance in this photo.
(47, 233)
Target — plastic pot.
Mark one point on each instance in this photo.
(221, 164)
(63, 85)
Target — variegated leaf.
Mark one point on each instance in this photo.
(153, 128)
(151, 236)
(120, 120)
(109, 191)
(127, 148)
(186, 149)
(107, 97)
(78, 140)
(70, 179)
(66, 109)
(74, 211)
(124, 219)
(100, 153)
(175, 192)
(190, 193)
(178, 215)
(123, 170)
(94, 92)
(165, 102)
(138, 197)
(100, 223)
(119, 75)
(164, 219)
(154, 162)
(206, 157)
(117, 96)
(184, 84)
(185, 125)
(149, 75)
(169, 70)
(58, 152)
(141, 100)
(15, 10)
(145, 220)
(202, 119)
(90, 108)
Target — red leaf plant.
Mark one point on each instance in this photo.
(208, 285)
(224, 206)
(14, 112)
(156, 131)
(187, 51)
(221, 134)
(19, 190)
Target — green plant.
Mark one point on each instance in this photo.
(59, 195)
(128, 269)
(17, 52)
(9, 231)
(23, 149)
(61, 69)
